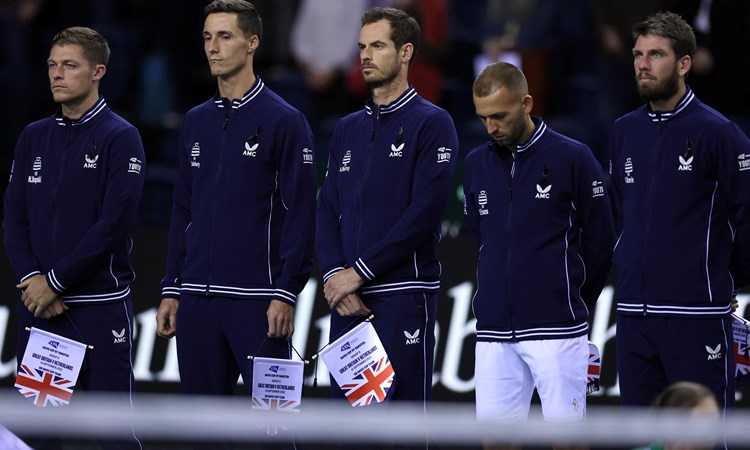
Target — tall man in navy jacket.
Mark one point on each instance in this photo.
(76, 182)
(537, 207)
(378, 222)
(680, 175)
(242, 227)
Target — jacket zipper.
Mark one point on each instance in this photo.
(507, 239)
(227, 111)
(373, 132)
(56, 181)
(649, 200)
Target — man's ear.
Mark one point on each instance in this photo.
(686, 62)
(528, 103)
(99, 72)
(253, 43)
(407, 52)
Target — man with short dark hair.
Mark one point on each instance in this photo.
(389, 177)
(75, 187)
(537, 208)
(680, 174)
(242, 226)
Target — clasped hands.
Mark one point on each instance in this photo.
(341, 293)
(40, 299)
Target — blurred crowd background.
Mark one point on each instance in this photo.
(575, 53)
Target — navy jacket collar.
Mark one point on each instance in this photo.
(399, 104)
(539, 128)
(246, 99)
(681, 105)
(94, 111)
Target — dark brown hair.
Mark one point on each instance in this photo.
(404, 28)
(248, 19)
(95, 47)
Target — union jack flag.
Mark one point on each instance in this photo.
(274, 405)
(741, 352)
(595, 366)
(373, 383)
(44, 387)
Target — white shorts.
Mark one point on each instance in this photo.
(505, 374)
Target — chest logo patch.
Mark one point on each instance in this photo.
(397, 151)
(250, 150)
(542, 192)
(91, 158)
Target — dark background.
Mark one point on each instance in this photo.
(157, 71)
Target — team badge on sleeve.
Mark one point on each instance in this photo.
(597, 188)
(307, 156)
(629, 179)
(744, 162)
(36, 167)
(444, 155)
(134, 165)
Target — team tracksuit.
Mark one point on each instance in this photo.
(541, 218)
(72, 198)
(241, 232)
(681, 193)
(379, 210)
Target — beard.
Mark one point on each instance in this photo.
(512, 138)
(663, 90)
(389, 74)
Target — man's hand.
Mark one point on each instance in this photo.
(166, 317)
(280, 320)
(37, 295)
(340, 285)
(352, 305)
(55, 308)
(735, 303)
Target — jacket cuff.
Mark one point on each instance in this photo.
(170, 292)
(332, 272)
(54, 283)
(29, 275)
(285, 296)
(361, 268)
